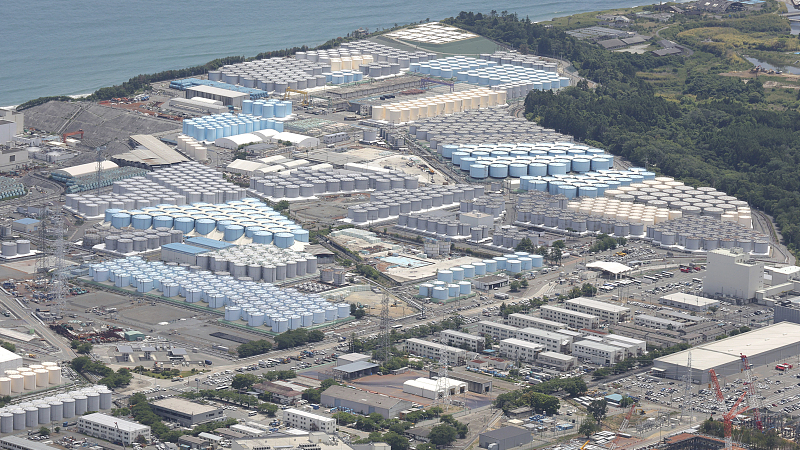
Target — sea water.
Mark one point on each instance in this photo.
(61, 47)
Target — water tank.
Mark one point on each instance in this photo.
(9, 249)
(31, 416)
(330, 313)
(17, 383)
(465, 287)
(184, 224)
(452, 290)
(54, 375)
(44, 413)
(445, 275)
(491, 265)
(6, 422)
(142, 221)
(56, 410)
(458, 273)
(233, 313)
(319, 315)
(23, 247)
(284, 240)
(426, 290)
(81, 403)
(343, 310)
(440, 293)
(68, 408)
(280, 325)
(537, 260)
(41, 377)
(498, 170)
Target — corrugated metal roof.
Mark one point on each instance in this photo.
(183, 248)
(152, 152)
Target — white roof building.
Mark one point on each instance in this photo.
(9, 360)
(433, 389)
(233, 142)
(244, 167)
(84, 169)
(298, 140)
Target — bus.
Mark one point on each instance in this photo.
(223, 387)
(650, 278)
(697, 280)
(397, 327)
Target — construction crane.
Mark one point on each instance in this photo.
(585, 444)
(728, 420)
(753, 399)
(71, 133)
(303, 93)
(627, 418)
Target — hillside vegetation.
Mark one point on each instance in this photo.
(706, 130)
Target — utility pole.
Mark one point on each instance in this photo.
(385, 330)
(58, 285)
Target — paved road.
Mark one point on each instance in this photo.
(44, 331)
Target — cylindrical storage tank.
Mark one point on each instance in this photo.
(23, 247)
(452, 290)
(469, 270)
(233, 313)
(458, 273)
(319, 315)
(29, 380)
(9, 249)
(19, 418)
(184, 224)
(142, 221)
(514, 266)
(17, 383)
(41, 377)
(330, 313)
(31, 416)
(81, 405)
(68, 408)
(445, 275)
(6, 422)
(497, 170)
(440, 293)
(44, 413)
(343, 310)
(537, 260)
(284, 240)
(57, 410)
(205, 226)
(464, 288)
(233, 232)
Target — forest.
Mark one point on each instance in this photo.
(718, 133)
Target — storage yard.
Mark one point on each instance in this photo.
(326, 200)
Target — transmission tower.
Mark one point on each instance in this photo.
(58, 286)
(99, 160)
(42, 244)
(443, 380)
(385, 330)
(687, 388)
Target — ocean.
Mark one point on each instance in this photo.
(61, 47)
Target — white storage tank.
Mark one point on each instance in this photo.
(44, 413)
(17, 383)
(319, 316)
(6, 422)
(31, 416)
(465, 287)
(56, 410)
(81, 403)
(68, 407)
(280, 325)
(41, 377)
(343, 310)
(330, 313)
(29, 380)
(54, 375)
(19, 418)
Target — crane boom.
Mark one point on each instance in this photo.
(715, 383)
(753, 399)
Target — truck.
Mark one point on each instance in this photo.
(207, 362)
(501, 296)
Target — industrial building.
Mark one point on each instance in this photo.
(767, 345)
(185, 412)
(308, 421)
(18, 443)
(310, 441)
(25, 225)
(574, 319)
(434, 389)
(112, 429)
(520, 350)
(551, 341)
(355, 370)
(498, 331)
(9, 360)
(475, 383)
(433, 350)
(557, 361)
(12, 158)
(646, 320)
(362, 402)
(607, 312)
(525, 321)
(198, 105)
(181, 253)
(688, 301)
(280, 394)
(462, 340)
(633, 347)
(732, 273)
(227, 97)
(597, 352)
(505, 438)
(490, 282)
(350, 358)
(149, 153)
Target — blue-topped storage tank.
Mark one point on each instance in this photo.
(109, 214)
(300, 235)
(205, 226)
(556, 168)
(517, 170)
(498, 170)
(284, 240)
(184, 224)
(537, 260)
(250, 230)
(447, 150)
(233, 232)
(479, 171)
(262, 237)
(162, 222)
(466, 162)
(568, 190)
(142, 221)
(221, 224)
(491, 265)
(247, 106)
(537, 169)
(120, 220)
(581, 165)
(601, 164)
(587, 191)
(538, 185)
(456, 157)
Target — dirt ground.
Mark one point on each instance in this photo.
(373, 300)
(788, 77)
(392, 385)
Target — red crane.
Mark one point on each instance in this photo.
(753, 399)
(728, 420)
(72, 133)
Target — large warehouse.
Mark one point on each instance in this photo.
(766, 345)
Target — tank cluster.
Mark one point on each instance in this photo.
(437, 105)
(126, 241)
(306, 182)
(53, 409)
(229, 221)
(19, 247)
(448, 225)
(259, 262)
(176, 185)
(481, 126)
(707, 233)
(23, 379)
(259, 304)
(396, 202)
(517, 81)
(260, 116)
(385, 60)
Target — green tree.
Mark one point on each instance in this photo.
(356, 312)
(311, 395)
(270, 409)
(588, 427)
(44, 431)
(514, 286)
(626, 401)
(140, 439)
(442, 435)
(598, 409)
(8, 346)
(396, 441)
(243, 381)
(57, 429)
